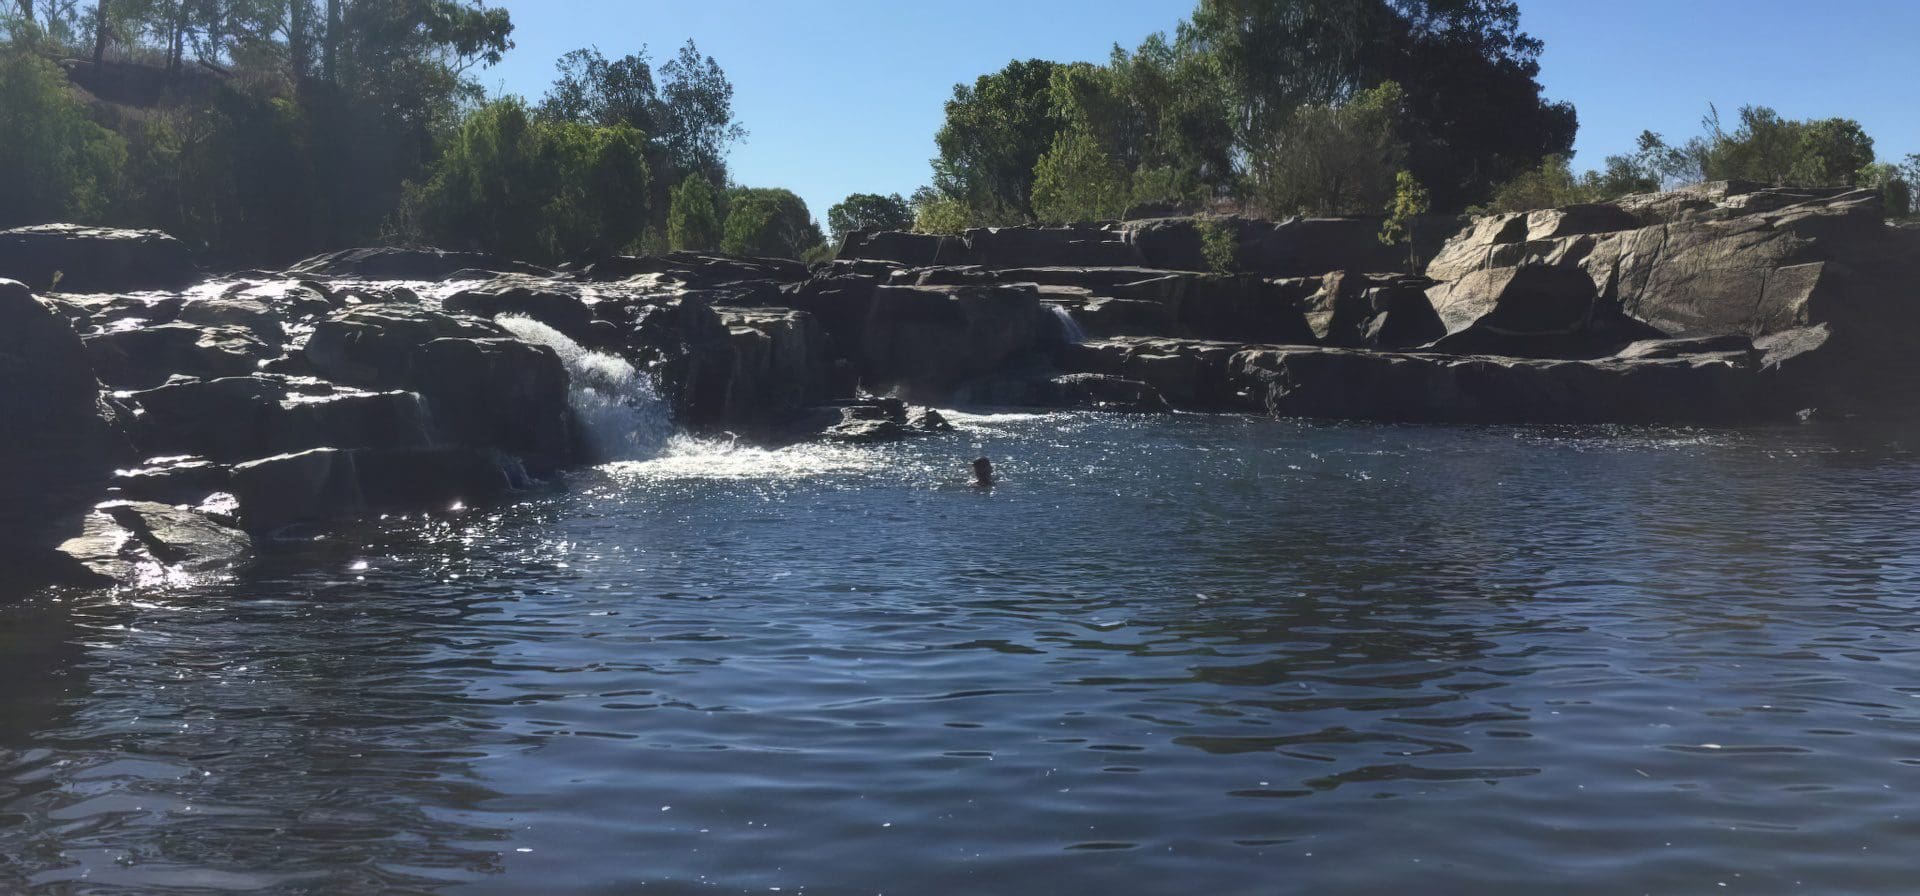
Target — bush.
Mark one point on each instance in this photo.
(694, 221)
(1219, 244)
(58, 165)
(1077, 181)
(869, 211)
(539, 190)
(768, 222)
(934, 212)
(1334, 159)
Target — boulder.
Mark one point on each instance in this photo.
(408, 264)
(545, 301)
(95, 259)
(497, 393)
(172, 480)
(310, 486)
(251, 314)
(780, 364)
(1422, 388)
(1079, 245)
(916, 250)
(374, 346)
(139, 543)
(1091, 391)
(1296, 247)
(926, 340)
(244, 418)
(1372, 311)
(147, 357)
(1535, 311)
(58, 445)
(1244, 307)
(435, 478)
(1191, 374)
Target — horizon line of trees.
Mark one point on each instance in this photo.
(267, 130)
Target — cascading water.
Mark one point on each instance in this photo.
(1069, 328)
(618, 408)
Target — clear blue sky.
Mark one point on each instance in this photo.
(844, 96)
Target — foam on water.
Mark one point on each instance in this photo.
(687, 457)
(618, 407)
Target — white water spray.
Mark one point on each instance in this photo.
(1069, 328)
(619, 410)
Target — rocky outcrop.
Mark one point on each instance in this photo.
(145, 544)
(57, 444)
(94, 259)
(1188, 373)
(925, 340)
(236, 419)
(409, 264)
(1425, 388)
(149, 356)
(537, 298)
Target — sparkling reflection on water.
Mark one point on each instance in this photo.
(1164, 655)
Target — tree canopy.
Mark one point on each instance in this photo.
(868, 211)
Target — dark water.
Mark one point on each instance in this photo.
(1187, 656)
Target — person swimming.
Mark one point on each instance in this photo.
(982, 473)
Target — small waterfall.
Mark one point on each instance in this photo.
(619, 410)
(1069, 328)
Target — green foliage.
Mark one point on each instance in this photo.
(1895, 189)
(592, 88)
(57, 164)
(869, 211)
(1410, 201)
(694, 221)
(695, 114)
(768, 222)
(1552, 185)
(1077, 181)
(529, 188)
(1333, 159)
(996, 130)
(935, 212)
(1474, 114)
(1772, 150)
(1219, 244)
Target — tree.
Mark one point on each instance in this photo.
(513, 183)
(59, 165)
(592, 88)
(1474, 114)
(1769, 149)
(1077, 181)
(936, 212)
(694, 221)
(1551, 185)
(1410, 201)
(869, 211)
(768, 222)
(995, 132)
(695, 115)
(1334, 159)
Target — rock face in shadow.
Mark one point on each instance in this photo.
(94, 259)
(57, 444)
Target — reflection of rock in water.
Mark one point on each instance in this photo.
(40, 667)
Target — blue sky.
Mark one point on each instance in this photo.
(844, 96)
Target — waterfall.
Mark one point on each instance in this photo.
(1069, 328)
(618, 409)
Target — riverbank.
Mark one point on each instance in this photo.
(211, 412)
